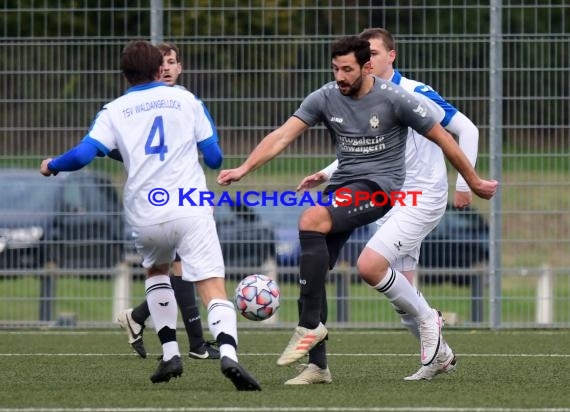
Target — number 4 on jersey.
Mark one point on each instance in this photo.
(161, 148)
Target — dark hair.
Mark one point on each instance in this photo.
(381, 34)
(165, 48)
(140, 62)
(352, 44)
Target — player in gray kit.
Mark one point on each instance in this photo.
(368, 119)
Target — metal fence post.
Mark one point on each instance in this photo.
(544, 296)
(47, 291)
(269, 269)
(122, 286)
(342, 280)
(477, 283)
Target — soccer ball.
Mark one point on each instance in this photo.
(257, 297)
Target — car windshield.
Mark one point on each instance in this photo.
(26, 194)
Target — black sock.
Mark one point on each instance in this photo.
(313, 269)
(141, 313)
(186, 299)
(318, 355)
(166, 335)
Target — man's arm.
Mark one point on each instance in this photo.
(271, 145)
(74, 159)
(212, 152)
(314, 180)
(461, 126)
(482, 188)
(468, 137)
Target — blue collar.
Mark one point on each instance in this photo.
(145, 86)
(396, 77)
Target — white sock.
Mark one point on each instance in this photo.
(410, 323)
(222, 319)
(169, 350)
(403, 295)
(163, 309)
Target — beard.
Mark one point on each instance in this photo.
(350, 89)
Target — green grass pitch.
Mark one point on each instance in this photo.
(95, 370)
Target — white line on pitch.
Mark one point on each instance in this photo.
(288, 409)
(388, 355)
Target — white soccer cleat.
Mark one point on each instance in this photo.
(311, 374)
(430, 337)
(445, 362)
(134, 331)
(301, 343)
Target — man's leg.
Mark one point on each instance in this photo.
(222, 321)
(398, 240)
(316, 226)
(162, 305)
(445, 360)
(313, 226)
(375, 270)
(316, 371)
(152, 242)
(133, 321)
(203, 264)
(186, 298)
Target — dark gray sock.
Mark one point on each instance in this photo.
(141, 313)
(313, 269)
(185, 294)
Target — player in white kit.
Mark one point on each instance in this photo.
(402, 230)
(133, 319)
(159, 130)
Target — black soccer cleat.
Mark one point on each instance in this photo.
(134, 331)
(167, 370)
(206, 351)
(138, 347)
(241, 378)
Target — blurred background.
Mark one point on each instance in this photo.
(66, 257)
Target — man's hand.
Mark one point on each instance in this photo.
(312, 181)
(44, 168)
(462, 199)
(485, 189)
(227, 176)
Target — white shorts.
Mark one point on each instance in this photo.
(195, 239)
(402, 230)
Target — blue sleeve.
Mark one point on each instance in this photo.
(76, 158)
(447, 107)
(212, 152)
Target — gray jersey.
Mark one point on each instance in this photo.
(369, 133)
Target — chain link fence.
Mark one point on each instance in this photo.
(65, 255)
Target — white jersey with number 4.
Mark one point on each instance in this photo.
(157, 129)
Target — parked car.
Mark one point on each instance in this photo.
(288, 249)
(460, 241)
(247, 240)
(74, 220)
